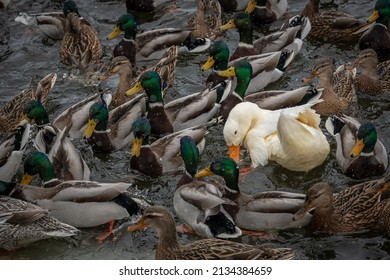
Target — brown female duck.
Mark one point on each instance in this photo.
(168, 247)
(338, 89)
(355, 209)
(375, 78)
(332, 26)
(207, 20)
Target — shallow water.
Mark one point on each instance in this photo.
(24, 52)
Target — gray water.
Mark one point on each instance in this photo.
(24, 52)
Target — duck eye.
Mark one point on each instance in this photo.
(235, 132)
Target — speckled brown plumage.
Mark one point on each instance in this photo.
(81, 44)
(12, 112)
(375, 78)
(332, 25)
(207, 20)
(168, 247)
(355, 209)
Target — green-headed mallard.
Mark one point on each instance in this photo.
(271, 100)
(289, 136)
(24, 223)
(168, 247)
(378, 36)
(108, 131)
(266, 11)
(289, 37)
(338, 87)
(266, 68)
(12, 112)
(187, 111)
(77, 203)
(66, 159)
(263, 211)
(375, 78)
(151, 44)
(200, 204)
(81, 44)
(162, 156)
(356, 209)
(359, 152)
(207, 21)
(144, 5)
(332, 26)
(12, 150)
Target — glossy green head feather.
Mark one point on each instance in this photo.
(128, 24)
(151, 83)
(368, 134)
(219, 51)
(39, 163)
(243, 72)
(190, 154)
(141, 128)
(243, 21)
(70, 7)
(34, 110)
(228, 169)
(383, 8)
(99, 113)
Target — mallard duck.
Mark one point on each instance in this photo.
(109, 131)
(290, 37)
(355, 209)
(162, 156)
(271, 100)
(66, 159)
(144, 5)
(81, 44)
(168, 247)
(12, 150)
(266, 68)
(52, 24)
(338, 87)
(332, 26)
(121, 65)
(181, 113)
(151, 44)
(263, 211)
(77, 203)
(207, 20)
(289, 136)
(200, 204)
(375, 78)
(266, 11)
(378, 36)
(24, 223)
(359, 153)
(12, 112)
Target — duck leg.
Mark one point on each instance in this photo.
(102, 238)
(184, 229)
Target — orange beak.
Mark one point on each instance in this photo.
(234, 152)
(140, 225)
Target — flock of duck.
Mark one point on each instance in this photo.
(286, 127)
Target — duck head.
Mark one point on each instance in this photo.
(126, 23)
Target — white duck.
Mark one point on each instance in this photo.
(289, 136)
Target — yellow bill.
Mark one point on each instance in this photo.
(135, 89)
(230, 72)
(114, 33)
(204, 172)
(136, 147)
(374, 16)
(251, 7)
(229, 25)
(90, 128)
(27, 178)
(357, 149)
(209, 63)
